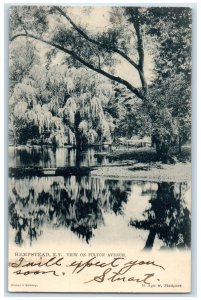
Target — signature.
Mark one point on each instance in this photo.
(117, 269)
(116, 277)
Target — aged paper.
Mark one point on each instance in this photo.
(99, 149)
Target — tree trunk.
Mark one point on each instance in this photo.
(77, 157)
(162, 150)
(179, 145)
(150, 240)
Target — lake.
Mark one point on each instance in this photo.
(97, 210)
(94, 210)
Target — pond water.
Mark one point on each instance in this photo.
(46, 157)
(94, 211)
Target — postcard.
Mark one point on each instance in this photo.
(99, 149)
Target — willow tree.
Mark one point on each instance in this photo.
(63, 106)
(131, 34)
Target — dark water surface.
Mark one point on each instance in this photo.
(46, 157)
(93, 209)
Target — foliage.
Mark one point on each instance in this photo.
(52, 99)
(22, 57)
(78, 97)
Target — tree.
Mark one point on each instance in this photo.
(171, 125)
(64, 103)
(65, 39)
(134, 32)
(19, 69)
(172, 85)
(22, 57)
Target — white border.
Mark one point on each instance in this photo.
(4, 138)
(102, 2)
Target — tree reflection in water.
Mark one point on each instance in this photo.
(77, 203)
(47, 157)
(168, 217)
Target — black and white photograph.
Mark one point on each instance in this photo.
(99, 154)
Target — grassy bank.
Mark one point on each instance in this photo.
(145, 155)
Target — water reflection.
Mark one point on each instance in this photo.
(46, 157)
(81, 204)
(77, 203)
(168, 216)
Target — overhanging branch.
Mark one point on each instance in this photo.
(85, 63)
(89, 39)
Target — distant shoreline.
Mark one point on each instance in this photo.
(126, 164)
(178, 172)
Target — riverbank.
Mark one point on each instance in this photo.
(131, 164)
(178, 172)
(142, 164)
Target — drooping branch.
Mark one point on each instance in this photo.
(97, 43)
(84, 62)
